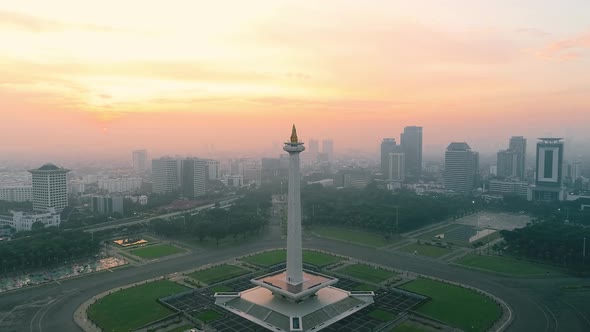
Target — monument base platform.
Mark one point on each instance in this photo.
(278, 313)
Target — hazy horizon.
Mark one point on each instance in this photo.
(102, 79)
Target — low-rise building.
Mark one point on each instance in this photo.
(16, 193)
(23, 221)
(507, 187)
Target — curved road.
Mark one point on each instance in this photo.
(50, 307)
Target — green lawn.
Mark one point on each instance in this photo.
(460, 307)
(208, 315)
(274, 257)
(507, 265)
(426, 250)
(156, 251)
(133, 307)
(319, 259)
(268, 258)
(218, 273)
(367, 273)
(407, 327)
(352, 235)
(382, 315)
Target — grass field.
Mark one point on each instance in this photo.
(426, 250)
(156, 251)
(366, 273)
(460, 307)
(208, 315)
(507, 265)
(218, 273)
(133, 307)
(382, 315)
(352, 235)
(274, 257)
(319, 259)
(407, 327)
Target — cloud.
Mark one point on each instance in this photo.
(534, 32)
(14, 20)
(380, 40)
(567, 48)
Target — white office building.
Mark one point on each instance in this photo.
(50, 189)
(22, 221)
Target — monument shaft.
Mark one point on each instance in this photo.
(294, 246)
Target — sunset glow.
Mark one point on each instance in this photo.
(198, 72)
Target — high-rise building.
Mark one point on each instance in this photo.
(139, 160)
(461, 168)
(166, 175)
(518, 145)
(195, 174)
(328, 148)
(572, 171)
(107, 204)
(314, 149)
(213, 169)
(507, 163)
(50, 188)
(396, 171)
(548, 185)
(411, 142)
(388, 145)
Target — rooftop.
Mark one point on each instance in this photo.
(458, 146)
(49, 167)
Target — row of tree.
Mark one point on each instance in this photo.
(248, 215)
(378, 209)
(44, 248)
(554, 242)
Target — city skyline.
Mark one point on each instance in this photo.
(118, 82)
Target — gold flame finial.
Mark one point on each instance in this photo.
(294, 135)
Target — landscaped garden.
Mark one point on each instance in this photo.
(218, 273)
(456, 306)
(133, 307)
(270, 258)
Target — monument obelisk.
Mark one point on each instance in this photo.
(294, 247)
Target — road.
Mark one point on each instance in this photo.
(117, 223)
(49, 308)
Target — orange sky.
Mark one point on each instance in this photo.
(105, 77)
